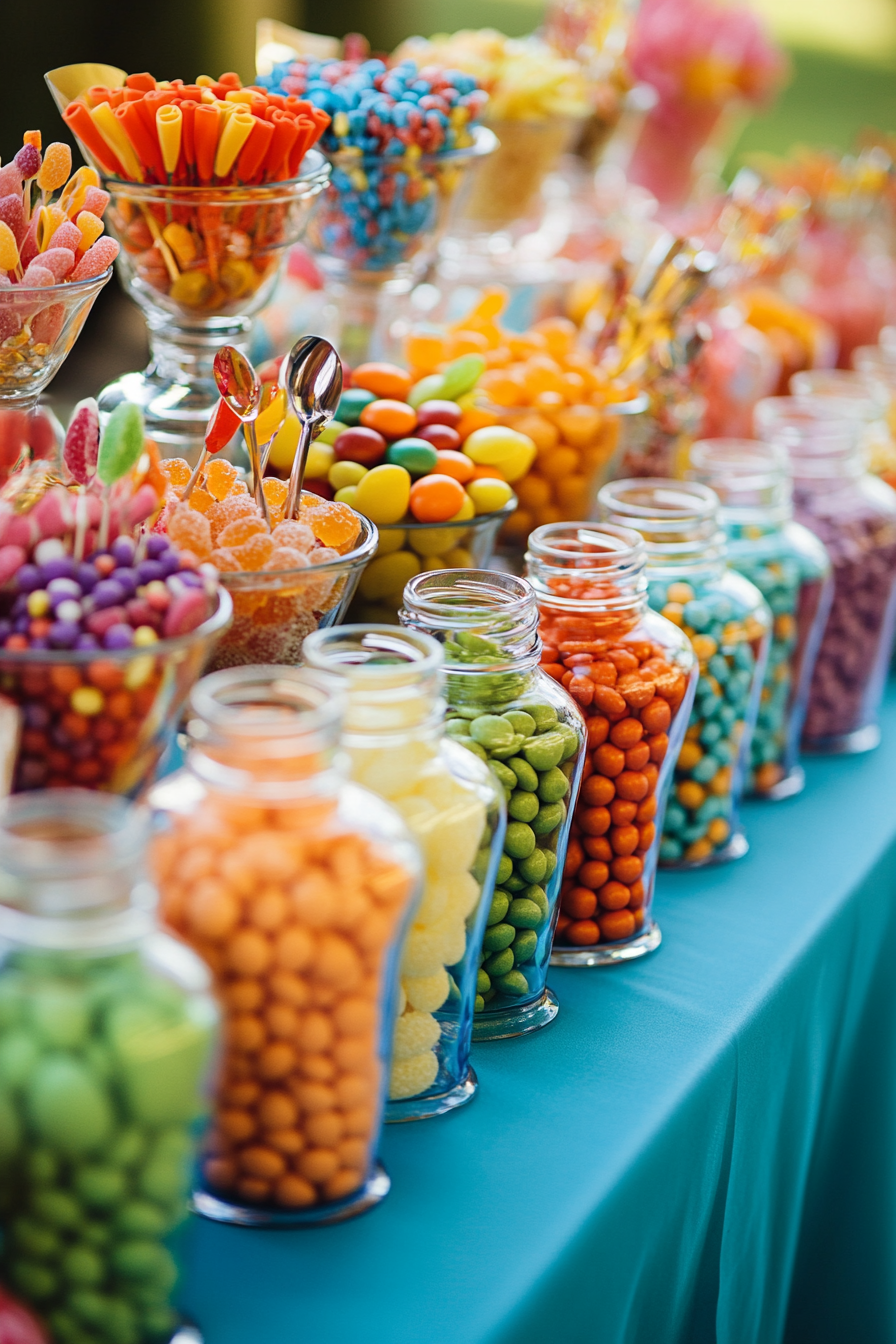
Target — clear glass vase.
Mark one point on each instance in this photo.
(504, 709)
(106, 1041)
(453, 807)
(854, 515)
(633, 675)
(295, 888)
(199, 262)
(729, 624)
(790, 567)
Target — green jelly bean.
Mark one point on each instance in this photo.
(89, 1306)
(545, 715)
(474, 747)
(553, 786)
(523, 946)
(571, 739)
(550, 815)
(67, 1107)
(82, 1266)
(36, 1240)
(139, 1259)
(500, 963)
(56, 1208)
(480, 865)
(524, 914)
(505, 868)
(522, 806)
(515, 883)
(479, 1003)
(159, 1322)
(497, 937)
(352, 403)
(544, 752)
(41, 1166)
(504, 753)
(524, 775)
(535, 867)
(457, 728)
(499, 907)
(514, 984)
(491, 731)
(33, 1280)
(94, 1233)
(59, 1016)
(121, 1324)
(538, 896)
(139, 1218)
(483, 981)
(551, 860)
(128, 1148)
(99, 1187)
(519, 841)
(19, 1053)
(162, 1179)
(520, 721)
(505, 775)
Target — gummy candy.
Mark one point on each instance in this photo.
(59, 260)
(96, 259)
(82, 441)
(335, 525)
(223, 559)
(9, 250)
(275, 492)
(121, 443)
(190, 530)
(241, 529)
(56, 167)
(67, 235)
(176, 469)
(95, 201)
(234, 506)
(28, 161)
(219, 477)
(12, 213)
(296, 535)
(286, 557)
(253, 553)
(201, 500)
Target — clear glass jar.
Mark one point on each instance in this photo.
(633, 675)
(790, 567)
(106, 1035)
(295, 888)
(728, 623)
(451, 804)
(504, 709)
(854, 514)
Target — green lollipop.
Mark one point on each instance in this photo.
(121, 444)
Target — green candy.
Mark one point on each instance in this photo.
(99, 1187)
(330, 433)
(500, 963)
(514, 984)
(33, 1280)
(520, 721)
(59, 1016)
(523, 946)
(10, 1130)
(515, 883)
(479, 1003)
(82, 1266)
(19, 1053)
(545, 715)
(499, 907)
(162, 1179)
(497, 937)
(483, 982)
(89, 1306)
(550, 815)
(551, 861)
(505, 868)
(524, 914)
(458, 378)
(42, 1166)
(457, 728)
(571, 739)
(538, 896)
(504, 753)
(415, 455)
(140, 1260)
(121, 444)
(94, 1233)
(534, 869)
(430, 388)
(526, 778)
(56, 1208)
(128, 1148)
(491, 731)
(545, 751)
(480, 865)
(519, 841)
(505, 775)
(522, 806)
(35, 1239)
(67, 1107)
(553, 786)
(139, 1218)
(474, 747)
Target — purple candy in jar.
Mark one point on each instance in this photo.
(118, 637)
(63, 590)
(28, 577)
(62, 635)
(127, 579)
(150, 570)
(87, 577)
(157, 545)
(63, 567)
(108, 593)
(87, 641)
(122, 550)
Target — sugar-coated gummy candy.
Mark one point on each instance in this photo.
(96, 259)
(190, 530)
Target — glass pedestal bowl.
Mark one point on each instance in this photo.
(199, 261)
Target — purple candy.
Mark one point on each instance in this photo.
(108, 593)
(127, 579)
(5, 630)
(38, 642)
(87, 641)
(63, 590)
(36, 715)
(122, 549)
(190, 579)
(118, 637)
(63, 567)
(28, 578)
(87, 577)
(150, 570)
(156, 546)
(170, 563)
(63, 634)
(23, 625)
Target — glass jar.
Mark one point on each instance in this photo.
(295, 888)
(633, 675)
(854, 514)
(106, 1033)
(452, 806)
(790, 567)
(504, 709)
(728, 623)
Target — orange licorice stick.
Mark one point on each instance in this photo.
(276, 164)
(304, 140)
(230, 80)
(143, 82)
(32, 138)
(193, 91)
(254, 152)
(132, 96)
(117, 98)
(276, 100)
(205, 131)
(78, 120)
(97, 93)
(144, 142)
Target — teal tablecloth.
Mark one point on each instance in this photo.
(699, 1149)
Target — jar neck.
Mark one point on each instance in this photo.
(486, 623)
(393, 681)
(595, 569)
(752, 481)
(270, 732)
(677, 520)
(823, 437)
(71, 872)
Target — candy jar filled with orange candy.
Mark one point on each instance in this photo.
(633, 675)
(295, 887)
(286, 577)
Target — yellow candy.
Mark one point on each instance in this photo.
(466, 511)
(384, 493)
(320, 455)
(9, 252)
(272, 417)
(387, 573)
(169, 126)
(283, 450)
(237, 129)
(342, 474)
(497, 446)
(55, 168)
(488, 496)
(391, 539)
(87, 700)
(91, 227)
(432, 540)
(347, 495)
(458, 558)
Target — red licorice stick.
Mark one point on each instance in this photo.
(145, 145)
(253, 152)
(276, 164)
(205, 132)
(143, 82)
(305, 138)
(79, 122)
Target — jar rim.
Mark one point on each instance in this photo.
(314, 170)
(73, 287)
(219, 701)
(605, 539)
(675, 501)
(353, 651)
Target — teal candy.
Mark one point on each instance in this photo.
(121, 443)
(351, 404)
(415, 455)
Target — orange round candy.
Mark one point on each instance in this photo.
(436, 498)
(457, 465)
(392, 419)
(383, 380)
(335, 525)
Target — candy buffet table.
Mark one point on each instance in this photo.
(700, 1148)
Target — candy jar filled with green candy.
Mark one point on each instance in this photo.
(728, 623)
(454, 807)
(505, 710)
(790, 567)
(106, 1029)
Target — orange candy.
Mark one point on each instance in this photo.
(383, 380)
(436, 498)
(458, 465)
(392, 419)
(335, 525)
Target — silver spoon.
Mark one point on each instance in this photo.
(313, 382)
(239, 385)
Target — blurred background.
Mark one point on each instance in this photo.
(843, 54)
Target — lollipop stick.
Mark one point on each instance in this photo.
(197, 472)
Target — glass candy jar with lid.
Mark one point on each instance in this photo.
(295, 888)
(453, 806)
(790, 567)
(854, 514)
(633, 674)
(504, 709)
(728, 623)
(106, 1035)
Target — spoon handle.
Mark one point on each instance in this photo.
(297, 474)
(257, 477)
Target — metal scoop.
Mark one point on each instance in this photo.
(313, 382)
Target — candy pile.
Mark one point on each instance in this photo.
(45, 242)
(103, 1066)
(213, 132)
(384, 199)
(541, 385)
(281, 581)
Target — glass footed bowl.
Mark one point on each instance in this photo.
(199, 261)
(113, 737)
(274, 609)
(405, 549)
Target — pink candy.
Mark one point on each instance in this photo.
(10, 180)
(82, 441)
(47, 326)
(11, 559)
(67, 235)
(58, 260)
(95, 201)
(28, 161)
(38, 275)
(12, 213)
(96, 259)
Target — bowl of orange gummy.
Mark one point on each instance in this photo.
(284, 582)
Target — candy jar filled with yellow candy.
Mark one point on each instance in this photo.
(455, 810)
(295, 888)
(504, 709)
(106, 1036)
(729, 624)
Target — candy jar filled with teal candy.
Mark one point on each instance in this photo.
(106, 1031)
(790, 567)
(504, 709)
(728, 623)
